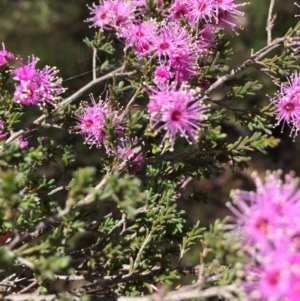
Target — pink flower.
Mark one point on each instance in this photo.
(36, 86)
(97, 120)
(26, 72)
(5, 56)
(139, 35)
(227, 13)
(162, 75)
(175, 46)
(201, 11)
(287, 103)
(269, 220)
(184, 62)
(176, 110)
(207, 38)
(170, 39)
(178, 10)
(277, 276)
(269, 214)
(23, 143)
(222, 13)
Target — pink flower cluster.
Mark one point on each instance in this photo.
(176, 47)
(269, 221)
(99, 120)
(36, 86)
(287, 103)
(173, 46)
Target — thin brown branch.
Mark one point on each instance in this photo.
(251, 61)
(270, 22)
(181, 156)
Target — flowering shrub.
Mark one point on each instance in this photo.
(92, 184)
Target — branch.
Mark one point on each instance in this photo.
(94, 63)
(70, 99)
(141, 250)
(251, 61)
(270, 22)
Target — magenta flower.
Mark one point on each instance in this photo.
(170, 39)
(287, 103)
(201, 11)
(184, 62)
(162, 75)
(139, 35)
(23, 143)
(263, 215)
(222, 13)
(268, 218)
(26, 72)
(97, 120)
(207, 38)
(177, 111)
(178, 10)
(275, 276)
(175, 46)
(36, 86)
(227, 13)
(6, 57)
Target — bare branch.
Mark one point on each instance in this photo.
(251, 61)
(94, 62)
(270, 22)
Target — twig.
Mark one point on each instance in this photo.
(55, 190)
(190, 293)
(251, 61)
(138, 90)
(141, 250)
(94, 62)
(227, 291)
(25, 297)
(26, 262)
(28, 287)
(270, 22)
